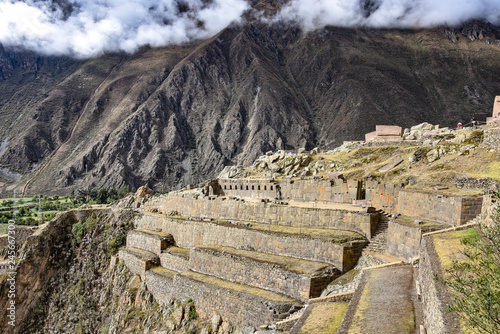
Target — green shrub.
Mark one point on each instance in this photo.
(115, 243)
(90, 223)
(78, 231)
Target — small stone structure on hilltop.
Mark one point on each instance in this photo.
(495, 117)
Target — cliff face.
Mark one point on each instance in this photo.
(168, 117)
(67, 282)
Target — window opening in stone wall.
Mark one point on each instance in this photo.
(247, 187)
(258, 187)
(241, 187)
(265, 187)
(271, 187)
(230, 187)
(253, 187)
(225, 187)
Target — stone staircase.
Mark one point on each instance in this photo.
(249, 275)
(378, 243)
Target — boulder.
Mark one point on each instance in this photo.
(144, 191)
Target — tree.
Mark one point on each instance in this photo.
(475, 281)
(102, 196)
(123, 191)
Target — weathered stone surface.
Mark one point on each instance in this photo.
(198, 234)
(476, 183)
(144, 191)
(149, 240)
(138, 260)
(492, 139)
(294, 277)
(435, 295)
(215, 321)
(236, 303)
(394, 162)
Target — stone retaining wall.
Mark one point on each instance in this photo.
(161, 286)
(403, 239)
(265, 275)
(239, 308)
(186, 205)
(491, 139)
(450, 210)
(434, 294)
(173, 261)
(149, 240)
(382, 196)
(188, 234)
(136, 264)
(336, 191)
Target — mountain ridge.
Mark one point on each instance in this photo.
(172, 116)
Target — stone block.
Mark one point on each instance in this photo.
(370, 136)
(496, 107)
(388, 130)
(138, 261)
(149, 240)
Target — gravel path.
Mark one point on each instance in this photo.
(383, 303)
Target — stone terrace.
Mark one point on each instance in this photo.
(232, 256)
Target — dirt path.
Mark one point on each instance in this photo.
(383, 303)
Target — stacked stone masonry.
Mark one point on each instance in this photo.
(403, 239)
(436, 319)
(138, 261)
(491, 138)
(188, 234)
(149, 240)
(236, 303)
(450, 210)
(270, 274)
(336, 191)
(175, 258)
(359, 220)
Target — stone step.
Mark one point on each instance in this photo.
(138, 260)
(149, 240)
(243, 305)
(301, 279)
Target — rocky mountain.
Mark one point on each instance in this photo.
(171, 116)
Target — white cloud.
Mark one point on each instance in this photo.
(98, 26)
(94, 27)
(313, 14)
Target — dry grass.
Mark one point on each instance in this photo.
(324, 319)
(366, 161)
(449, 246)
(164, 272)
(411, 221)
